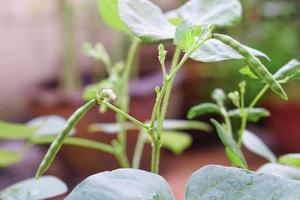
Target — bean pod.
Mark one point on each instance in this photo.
(254, 63)
(57, 143)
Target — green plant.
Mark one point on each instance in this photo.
(191, 27)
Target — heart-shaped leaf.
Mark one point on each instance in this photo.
(227, 183)
(254, 114)
(8, 158)
(215, 51)
(257, 146)
(145, 20)
(109, 12)
(292, 159)
(281, 171)
(15, 131)
(202, 109)
(32, 189)
(216, 12)
(125, 184)
(234, 153)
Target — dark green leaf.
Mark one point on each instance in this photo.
(292, 159)
(145, 20)
(109, 13)
(289, 71)
(8, 158)
(216, 12)
(15, 131)
(254, 114)
(281, 171)
(227, 183)
(125, 184)
(32, 189)
(202, 109)
(257, 146)
(235, 154)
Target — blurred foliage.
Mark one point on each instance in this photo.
(270, 26)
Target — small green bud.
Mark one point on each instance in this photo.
(107, 94)
(235, 98)
(162, 53)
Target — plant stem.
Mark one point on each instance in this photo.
(138, 150)
(155, 157)
(123, 100)
(259, 96)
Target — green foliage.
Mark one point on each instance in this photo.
(8, 158)
(292, 160)
(202, 109)
(30, 189)
(253, 114)
(279, 170)
(289, 71)
(15, 131)
(234, 153)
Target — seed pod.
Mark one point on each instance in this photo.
(57, 143)
(254, 63)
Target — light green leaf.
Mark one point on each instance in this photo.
(109, 13)
(110, 128)
(125, 184)
(15, 131)
(227, 183)
(202, 109)
(248, 72)
(280, 170)
(8, 158)
(215, 51)
(48, 125)
(184, 36)
(254, 114)
(257, 146)
(145, 20)
(90, 91)
(288, 71)
(32, 189)
(176, 141)
(235, 154)
(292, 159)
(216, 12)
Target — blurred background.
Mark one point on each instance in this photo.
(43, 71)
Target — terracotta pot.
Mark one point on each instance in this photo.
(284, 122)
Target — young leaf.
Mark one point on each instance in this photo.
(145, 20)
(90, 93)
(162, 53)
(109, 13)
(48, 125)
(215, 12)
(8, 158)
(30, 189)
(122, 184)
(289, 71)
(202, 109)
(254, 114)
(280, 170)
(248, 72)
(176, 141)
(236, 155)
(292, 159)
(257, 146)
(184, 36)
(213, 50)
(99, 53)
(15, 131)
(227, 183)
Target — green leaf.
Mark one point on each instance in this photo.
(8, 158)
(292, 159)
(122, 184)
(202, 109)
(145, 20)
(248, 72)
(289, 71)
(281, 171)
(257, 146)
(215, 12)
(172, 124)
(176, 141)
(110, 128)
(15, 131)
(109, 13)
(254, 114)
(227, 183)
(48, 125)
(184, 36)
(32, 189)
(213, 50)
(235, 154)
(90, 91)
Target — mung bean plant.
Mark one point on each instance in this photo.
(192, 29)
